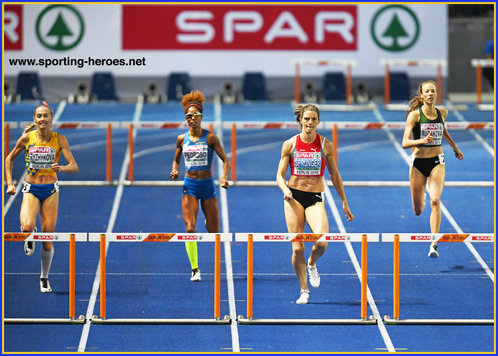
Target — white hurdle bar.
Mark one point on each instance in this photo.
(72, 238)
(439, 237)
(217, 238)
(304, 237)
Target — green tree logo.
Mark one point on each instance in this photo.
(60, 27)
(395, 28)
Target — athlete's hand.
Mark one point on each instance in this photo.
(224, 182)
(458, 153)
(174, 174)
(56, 168)
(349, 214)
(288, 196)
(11, 189)
(428, 138)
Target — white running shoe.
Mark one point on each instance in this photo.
(196, 275)
(303, 297)
(433, 251)
(314, 276)
(29, 248)
(45, 286)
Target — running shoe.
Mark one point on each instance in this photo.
(314, 276)
(45, 285)
(303, 297)
(29, 248)
(196, 275)
(433, 251)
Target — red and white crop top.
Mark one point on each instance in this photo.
(308, 159)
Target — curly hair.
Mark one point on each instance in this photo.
(301, 109)
(417, 100)
(195, 98)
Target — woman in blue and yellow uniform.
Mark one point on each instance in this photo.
(425, 131)
(42, 149)
(197, 146)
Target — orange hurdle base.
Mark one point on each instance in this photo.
(80, 320)
(213, 321)
(249, 321)
(395, 321)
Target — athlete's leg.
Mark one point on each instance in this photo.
(318, 223)
(190, 208)
(417, 187)
(211, 212)
(48, 218)
(30, 207)
(294, 217)
(436, 185)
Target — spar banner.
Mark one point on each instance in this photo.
(247, 27)
(218, 39)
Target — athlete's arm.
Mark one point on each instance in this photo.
(335, 177)
(177, 158)
(72, 166)
(20, 146)
(411, 120)
(215, 144)
(447, 136)
(282, 169)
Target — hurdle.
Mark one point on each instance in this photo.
(388, 63)
(305, 237)
(217, 238)
(348, 64)
(478, 64)
(72, 238)
(234, 126)
(439, 237)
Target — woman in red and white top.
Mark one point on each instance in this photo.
(308, 153)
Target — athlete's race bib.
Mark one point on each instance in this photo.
(41, 157)
(195, 155)
(307, 163)
(436, 129)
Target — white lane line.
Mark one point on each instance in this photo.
(226, 245)
(110, 226)
(380, 323)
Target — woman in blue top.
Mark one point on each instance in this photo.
(197, 146)
(424, 132)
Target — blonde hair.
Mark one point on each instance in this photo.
(33, 125)
(29, 128)
(417, 100)
(301, 109)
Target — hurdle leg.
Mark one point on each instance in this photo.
(297, 84)
(364, 277)
(387, 88)
(102, 277)
(234, 153)
(335, 143)
(348, 85)
(109, 153)
(479, 84)
(217, 250)
(130, 143)
(439, 85)
(72, 275)
(396, 278)
(250, 271)
(6, 149)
